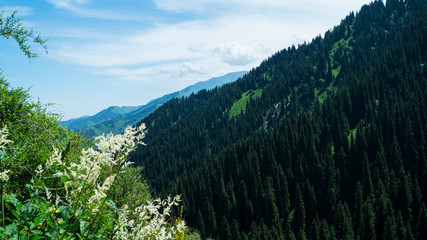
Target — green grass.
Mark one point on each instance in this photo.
(322, 93)
(240, 105)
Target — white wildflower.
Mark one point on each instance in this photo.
(149, 221)
(48, 194)
(55, 158)
(57, 200)
(39, 170)
(4, 176)
(66, 190)
(100, 192)
(3, 135)
(181, 226)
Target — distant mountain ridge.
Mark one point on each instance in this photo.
(114, 119)
(112, 112)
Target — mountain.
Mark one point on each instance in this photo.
(324, 140)
(115, 119)
(211, 83)
(113, 112)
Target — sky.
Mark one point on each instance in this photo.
(105, 53)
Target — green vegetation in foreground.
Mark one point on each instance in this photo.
(240, 105)
(54, 185)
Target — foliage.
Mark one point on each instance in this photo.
(55, 186)
(87, 209)
(34, 132)
(10, 26)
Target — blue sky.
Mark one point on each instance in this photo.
(126, 52)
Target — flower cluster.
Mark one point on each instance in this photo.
(4, 177)
(3, 137)
(85, 209)
(148, 221)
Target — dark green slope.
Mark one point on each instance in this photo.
(323, 141)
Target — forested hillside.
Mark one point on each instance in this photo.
(325, 140)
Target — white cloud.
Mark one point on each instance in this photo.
(74, 7)
(68, 4)
(237, 55)
(183, 71)
(237, 40)
(86, 35)
(211, 6)
(233, 53)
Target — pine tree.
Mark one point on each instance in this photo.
(343, 222)
(224, 229)
(271, 211)
(314, 232)
(368, 229)
(201, 224)
(358, 210)
(405, 196)
(422, 223)
(235, 230)
(299, 217)
(210, 220)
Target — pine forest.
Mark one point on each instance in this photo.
(324, 140)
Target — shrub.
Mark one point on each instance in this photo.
(86, 209)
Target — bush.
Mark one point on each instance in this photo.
(86, 210)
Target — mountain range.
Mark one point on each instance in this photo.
(114, 119)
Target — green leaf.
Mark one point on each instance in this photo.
(19, 206)
(11, 229)
(37, 220)
(83, 226)
(52, 234)
(65, 152)
(16, 214)
(36, 237)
